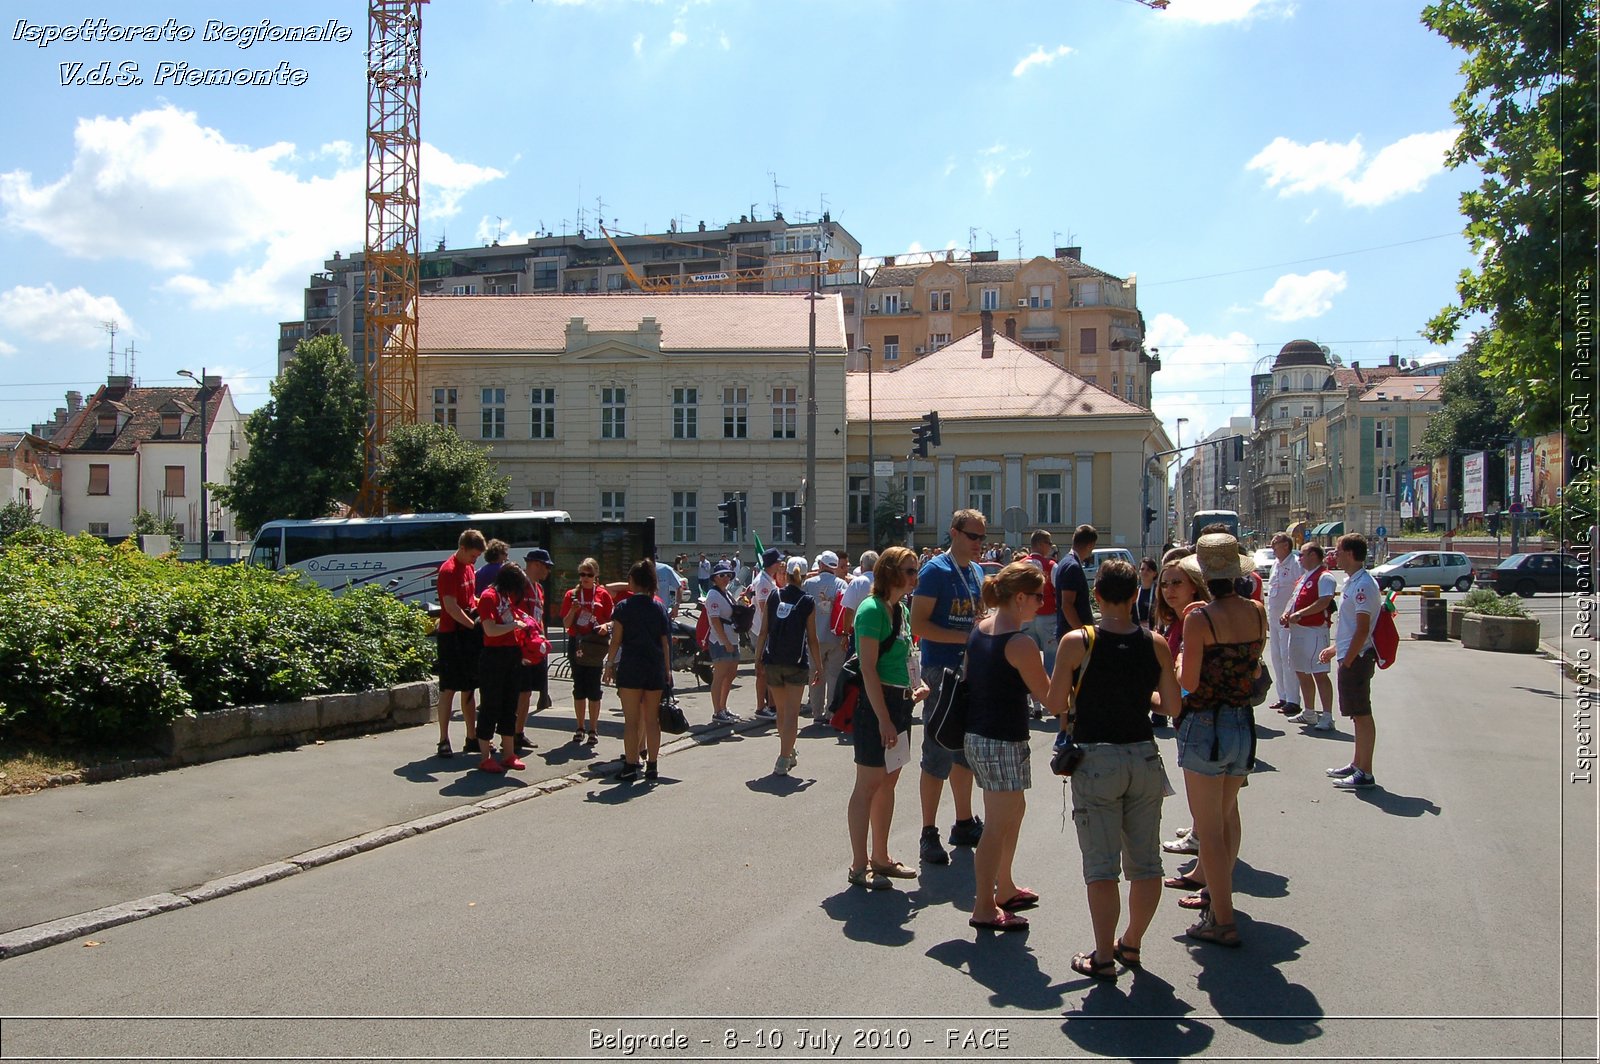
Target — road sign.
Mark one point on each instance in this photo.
(883, 469)
(1382, 531)
(1015, 519)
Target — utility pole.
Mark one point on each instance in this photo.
(205, 502)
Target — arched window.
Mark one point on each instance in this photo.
(1311, 383)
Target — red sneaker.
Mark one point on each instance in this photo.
(489, 764)
(513, 762)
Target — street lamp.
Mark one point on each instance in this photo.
(205, 517)
(872, 459)
(824, 238)
(1179, 505)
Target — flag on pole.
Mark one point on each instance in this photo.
(760, 550)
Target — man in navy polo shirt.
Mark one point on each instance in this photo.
(946, 607)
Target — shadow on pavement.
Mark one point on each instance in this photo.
(1538, 691)
(481, 784)
(569, 752)
(1144, 1022)
(952, 884)
(875, 916)
(1003, 964)
(1247, 986)
(615, 793)
(779, 786)
(435, 769)
(1258, 883)
(1397, 804)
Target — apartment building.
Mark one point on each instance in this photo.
(1022, 436)
(1083, 319)
(29, 476)
(587, 263)
(634, 406)
(131, 448)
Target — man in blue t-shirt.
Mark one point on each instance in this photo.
(1072, 586)
(944, 610)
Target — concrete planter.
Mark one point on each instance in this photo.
(1457, 614)
(1512, 635)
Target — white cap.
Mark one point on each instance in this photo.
(797, 565)
(827, 560)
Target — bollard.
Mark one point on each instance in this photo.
(1435, 619)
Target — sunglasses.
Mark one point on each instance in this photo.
(591, 576)
(1036, 595)
(976, 537)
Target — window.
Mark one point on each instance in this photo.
(891, 348)
(891, 302)
(1385, 479)
(177, 530)
(173, 485)
(1308, 410)
(614, 414)
(849, 306)
(106, 423)
(1283, 410)
(613, 505)
(735, 413)
(493, 401)
(919, 499)
(614, 282)
(685, 413)
(989, 299)
(859, 502)
(100, 480)
(939, 300)
(685, 522)
(545, 276)
(980, 492)
(99, 528)
(782, 500)
(1047, 498)
(542, 402)
(464, 290)
(541, 499)
(171, 424)
(1115, 381)
(1283, 383)
(1384, 436)
(444, 407)
(1041, 295)
(1129, 394)
(785, 413)
(1088, 342)
(937, 340)
(731, 535)
(1310, 383)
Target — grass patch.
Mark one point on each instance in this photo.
(29, 767)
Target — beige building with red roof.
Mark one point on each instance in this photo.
(1020, 432)
(635, 406)
(28, 476)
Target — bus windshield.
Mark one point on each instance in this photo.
(1202, 518)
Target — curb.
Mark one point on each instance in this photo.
(64, 929)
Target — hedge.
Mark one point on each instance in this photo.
(102, 643)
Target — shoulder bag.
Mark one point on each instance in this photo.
(1068, 755)
(851, 689)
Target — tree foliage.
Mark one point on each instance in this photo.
(1526, 114)
(14, 517)
(146, 523)
(427, 468)
(1476, 411)
(306, 443)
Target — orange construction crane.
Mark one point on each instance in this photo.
(717, 278)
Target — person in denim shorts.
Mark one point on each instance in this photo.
(1223, 642)
(1119, 786)
(722, 642)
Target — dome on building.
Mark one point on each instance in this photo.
(1301, 353)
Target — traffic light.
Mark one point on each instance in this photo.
(926, 434)
(931, 420)
(728, 514)
(792, 523)
(899, 524)
(1238, 448)
(1149, 516)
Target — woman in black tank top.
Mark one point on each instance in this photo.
(1119, 786)
(1004, 667)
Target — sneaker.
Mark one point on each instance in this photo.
(444, 749)
(780, 767)
(1356, 780)
(931, 851)
(628, 774)
(489, 764)
(966, 832)
(1340, 773)
(1305, 716)
(1187, 844)
(722, 716)
(766, 713)
(652, 771)
(1289, 709)
(513, 761)
(1325, 722)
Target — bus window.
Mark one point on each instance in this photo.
(267, 547)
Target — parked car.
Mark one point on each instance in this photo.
(1092, 566)
(1526, 574)
(1265, 560)
(1442, 568)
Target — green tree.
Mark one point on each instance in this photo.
(306, 443)
(146, 523)
(14, 517)
(1526, 114)
(1476, 410)
(427, 468)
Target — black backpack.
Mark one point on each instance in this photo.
(786, 628)
(744, 614)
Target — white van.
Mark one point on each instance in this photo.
(1092, 566)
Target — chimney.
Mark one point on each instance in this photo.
(74, 402)
(1356, 366)
(1075, 253)
(987, 318)
(1394, 360)
(1011, 327)
(888, 260)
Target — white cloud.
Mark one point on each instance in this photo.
(638, 44)
(1201, 374)
(161, 189)
(995, 161)
(1400, 168)
(491, 229)
(677, 39)
(49, 316)
(1295, 296)
(724, 41)
(1215, 12)
(1039, 57)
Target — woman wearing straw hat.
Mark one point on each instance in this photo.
(1223, 641)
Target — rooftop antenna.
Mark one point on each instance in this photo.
(600, 211)
(129, 362)
(541, 231)
(822, 202)
(992, 244)
(1019, 243)
(111, 354)
(972, 238)
(499, 228)
(777, 201)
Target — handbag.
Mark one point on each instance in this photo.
(590, 648)
(1068, 755)
(673, 722)
(1261, 687)
(851, 688)
(947, 720)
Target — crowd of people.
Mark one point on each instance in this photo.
(1181, 641)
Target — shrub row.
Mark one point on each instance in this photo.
(103, 643)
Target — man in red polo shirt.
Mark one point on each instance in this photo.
(460, 639)
(1042, 627)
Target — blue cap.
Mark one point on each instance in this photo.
(539, 554)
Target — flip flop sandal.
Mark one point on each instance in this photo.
(1182, 883)
(1005, 922)
(1126, 955)
(1085, 964)
(1201, 900)
(867, 878)
(1022, 899)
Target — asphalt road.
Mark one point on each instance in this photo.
(1449, 914)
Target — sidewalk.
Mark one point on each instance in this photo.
(76, 855)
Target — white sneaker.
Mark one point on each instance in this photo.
(780, 767)
(1325, 722)
(1187, 844)
(1340, 773)
(1305, 716)
(766, 713)
(724, 717)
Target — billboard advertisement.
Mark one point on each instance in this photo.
(1407, 492)
(1549, 469)
(1441, 488)
(1472, 482)
(1421, 486)
(1526, 482)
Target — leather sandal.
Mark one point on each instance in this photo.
(1182, 882)
(894, 870)
(1202, 900)
(1126, 955)
(1085, 964)
(1208, 930)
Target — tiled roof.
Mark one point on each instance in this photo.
(733, 322)
(980, 272)
(959, 383)
(142, 408)
(1397, 387)
(1356, 377)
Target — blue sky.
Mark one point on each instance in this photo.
(1270, 169)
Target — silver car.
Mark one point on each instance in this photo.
(1447, 569)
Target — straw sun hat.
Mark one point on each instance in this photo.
(1216, 557)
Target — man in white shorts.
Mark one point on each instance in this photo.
(1307, 621)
